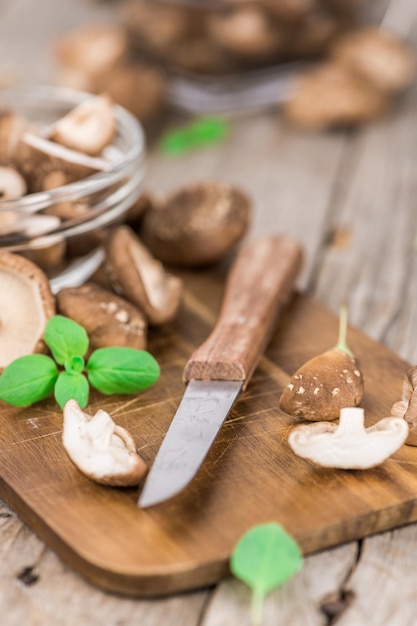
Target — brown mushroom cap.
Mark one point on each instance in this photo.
(378, 57)
(26, 305)
(108, 319)
(331, 95)
(92, 50)
(323, 386)
(246, 31)
(198, 224)
(140, 278)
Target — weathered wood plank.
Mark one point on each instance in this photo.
(36, 589)
(384, 583)
(298, 602)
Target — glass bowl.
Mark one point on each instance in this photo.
(101, 199)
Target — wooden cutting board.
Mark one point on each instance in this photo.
(250, 476)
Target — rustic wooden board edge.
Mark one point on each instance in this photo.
(206, 575)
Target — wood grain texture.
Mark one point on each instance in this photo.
(250, 475)
(259, 284)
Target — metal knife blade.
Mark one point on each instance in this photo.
(199, 417)
(259, 283)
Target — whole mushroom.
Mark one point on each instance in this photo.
(26, 305)
(197, 225)
(378, 57)
(108, 319)
(136, 275)
(331, 95)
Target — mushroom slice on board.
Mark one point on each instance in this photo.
(88, 128)
(100, 449)
(26, 305)
(108, 319)
(349, 445)
(140, 278)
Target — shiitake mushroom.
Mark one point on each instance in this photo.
(325, 384)
(197, 225)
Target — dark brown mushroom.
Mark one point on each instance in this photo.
(140, 278)
(198, 224)
(108, 319)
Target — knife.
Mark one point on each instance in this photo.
(259, 283)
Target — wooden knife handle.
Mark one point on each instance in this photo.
(259, 283)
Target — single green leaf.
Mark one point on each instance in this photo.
(122, 370)
(71, 387)
(65, 338)
(28, 379)
(265, 557)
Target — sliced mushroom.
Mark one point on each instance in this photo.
(37, 157)
(12, 128)
(26, 305)
(108, 319)
(331, 95)
(88, 128)
(67, 209)
(198, 224)
(100, 449)
(349, 445)
(407, 406)
(140, 278)
(12, 184)
(28, 225)
(378, 57)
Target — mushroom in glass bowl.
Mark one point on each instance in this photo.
(72, 195)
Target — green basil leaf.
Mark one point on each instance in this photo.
(28, 379)
(265, 557)
(122, 370)
(65, 338)
(71, 387)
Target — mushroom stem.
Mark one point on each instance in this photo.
(352, 421)
(341, 340)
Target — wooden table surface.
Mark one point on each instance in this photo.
(351, 199)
